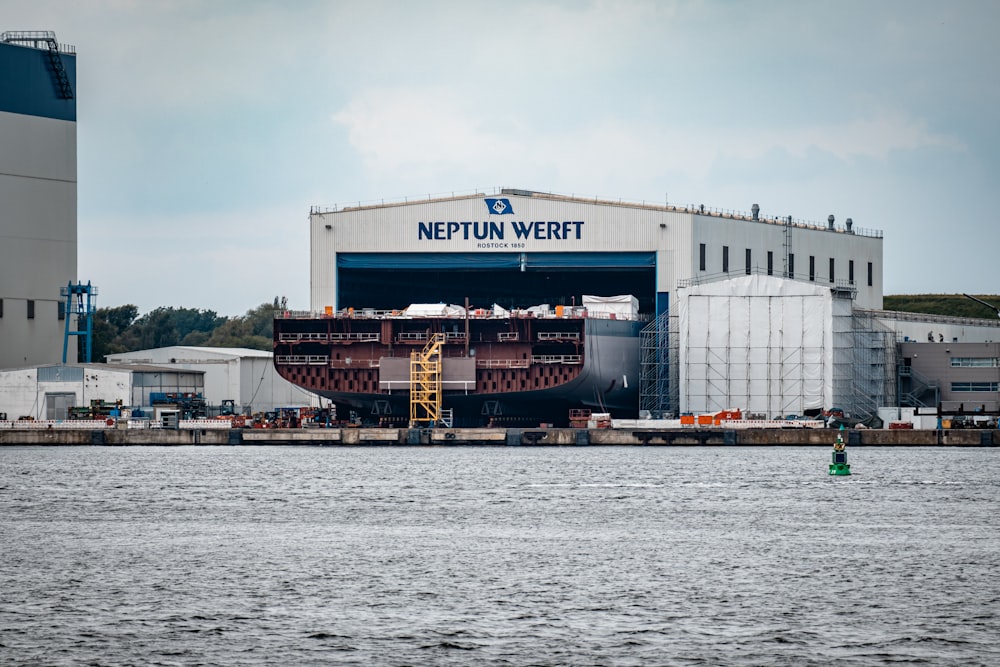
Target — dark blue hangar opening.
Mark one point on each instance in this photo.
(388, 281)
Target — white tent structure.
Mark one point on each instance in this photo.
(765, 345)
(624, 306)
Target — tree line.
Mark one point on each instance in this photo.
(121, 329)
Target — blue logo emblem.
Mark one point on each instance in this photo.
(499, 206)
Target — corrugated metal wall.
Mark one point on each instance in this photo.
(536, 224)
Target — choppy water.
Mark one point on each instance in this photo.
(498, 556)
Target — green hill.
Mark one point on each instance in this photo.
(955, 305)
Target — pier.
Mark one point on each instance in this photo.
(501, 437)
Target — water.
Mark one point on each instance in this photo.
(498, 556)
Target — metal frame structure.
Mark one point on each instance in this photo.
(85, 297)
(425, 382)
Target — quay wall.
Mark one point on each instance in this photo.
(501, 437)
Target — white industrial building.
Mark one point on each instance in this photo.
(47, 392)
(367, 256)
(242, 375)
(755, 310)
(38, 191)
(750, 310)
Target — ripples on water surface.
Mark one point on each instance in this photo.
(493, 556)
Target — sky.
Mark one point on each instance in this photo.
(206, 129)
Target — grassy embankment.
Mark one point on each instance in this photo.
(954, 305)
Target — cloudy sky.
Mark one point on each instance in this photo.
(206, 129)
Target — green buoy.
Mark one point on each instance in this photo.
(840, 466)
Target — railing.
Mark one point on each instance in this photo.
(391, 386)
(300, 359)
(840, 286)
(928, 317)
(405, 337)
(502, 363)
(557, 359)
(695, 209)
(354, 363)
(47, 37)
(361, 337)
(506, 336)
(573, 313)
(60, 424)
(558, 335)
(298, 337)
(112, 423)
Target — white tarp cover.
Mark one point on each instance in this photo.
(763, 344)
(540, 310)
(624, 304)
(433, 310)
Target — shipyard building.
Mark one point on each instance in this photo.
(38, 188)
(244, 377)
(755, 309)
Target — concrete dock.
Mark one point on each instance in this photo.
(526, 437)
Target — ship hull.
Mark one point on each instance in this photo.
(605, 378)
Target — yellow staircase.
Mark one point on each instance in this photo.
(425, 382)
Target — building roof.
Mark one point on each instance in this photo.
(117, 368)
(178, 350)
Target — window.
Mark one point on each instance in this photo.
(850, 271)
(975, 362)
(791, 265)
(748, 261)
(31, 309)
(871, 271)
(812, 267)
(970, 387)
(62, 310)
(770, 263)
(1, 307)
(725, 259)
(831, 269)
(701, 257)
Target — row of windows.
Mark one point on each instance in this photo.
(975, 362)
(975, 386)
(748, 265)
(31, 309)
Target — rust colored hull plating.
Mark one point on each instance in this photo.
(495, 369)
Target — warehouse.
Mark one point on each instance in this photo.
(245, 376)
(50, 391)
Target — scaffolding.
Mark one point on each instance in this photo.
(657, 373)
(874, 379)
(80, 300)
(425, 382)
(768, 352)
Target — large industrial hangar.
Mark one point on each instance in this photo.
(38, 236)
(519, 248)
